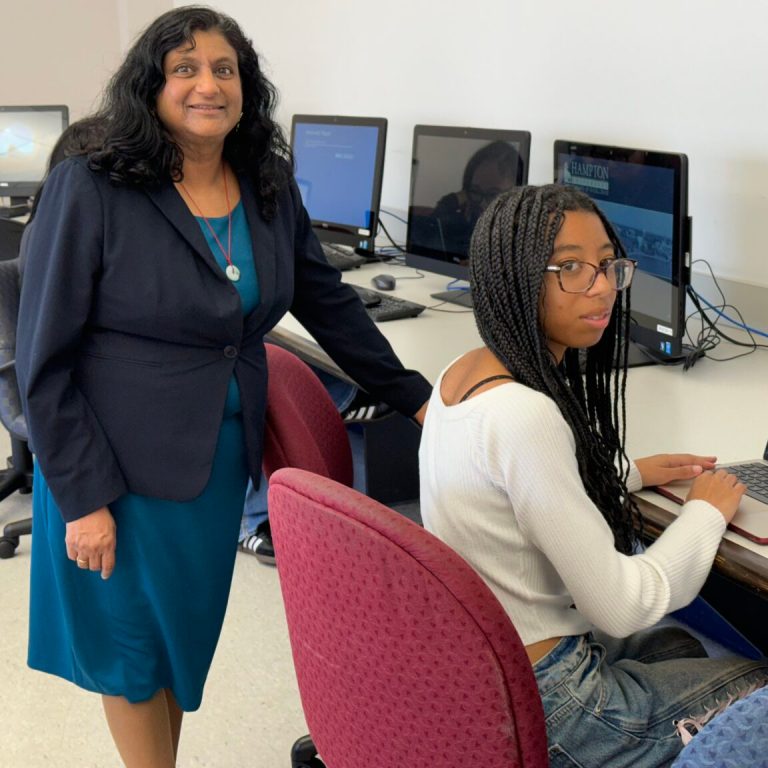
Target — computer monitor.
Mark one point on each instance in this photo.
(644, 195)
(27, 136)
(339, 168)
(455, 173)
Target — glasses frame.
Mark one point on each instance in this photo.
(558, 268)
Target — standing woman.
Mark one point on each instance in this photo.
(154, 267)
(523, 473)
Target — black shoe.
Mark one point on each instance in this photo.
(259, 544)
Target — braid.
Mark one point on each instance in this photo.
(511, 245)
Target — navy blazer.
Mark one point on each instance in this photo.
(129, 333)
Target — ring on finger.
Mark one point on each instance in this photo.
(82, 563)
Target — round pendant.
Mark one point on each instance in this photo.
(232, 272)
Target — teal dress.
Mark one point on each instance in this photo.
(156, 622)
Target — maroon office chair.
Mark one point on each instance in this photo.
(303, 427)
(403, 655)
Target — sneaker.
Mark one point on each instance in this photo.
(259, 544)
(363, 409)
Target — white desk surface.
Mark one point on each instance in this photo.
(426, 343)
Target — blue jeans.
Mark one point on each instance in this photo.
(615, 703)
(255, 508)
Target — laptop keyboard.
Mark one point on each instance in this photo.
(342, 257)
(381, 307)
(755, 477)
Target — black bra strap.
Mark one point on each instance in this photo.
(480, 383)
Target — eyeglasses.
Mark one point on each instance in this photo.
(579, 276)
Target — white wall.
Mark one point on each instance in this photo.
(64, 51)
(676, 75)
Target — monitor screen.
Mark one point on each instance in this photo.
(644, 196)
(27, 136)
(339, 169)
(455, 173)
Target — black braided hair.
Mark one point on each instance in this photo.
(138, 150)
(511, 244)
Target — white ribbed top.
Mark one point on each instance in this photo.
(500, 485)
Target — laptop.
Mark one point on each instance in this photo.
(751, 518)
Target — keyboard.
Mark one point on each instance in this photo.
(342, 257)
(382, 307)
(12, 211)
(755, 477)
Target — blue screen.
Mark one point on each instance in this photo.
(335, 170)
(639, 202)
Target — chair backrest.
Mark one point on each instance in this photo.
(10, 238)
(303, 427)
(403, 655)
(11, 414)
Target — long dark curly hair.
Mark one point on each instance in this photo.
(512, 243)
(137, 149)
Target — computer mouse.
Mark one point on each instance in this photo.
(384, 282)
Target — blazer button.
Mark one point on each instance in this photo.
(230, 352)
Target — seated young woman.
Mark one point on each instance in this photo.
(523, 472)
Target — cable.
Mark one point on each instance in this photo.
(738, 324)
(434, 308)
(390, 238)
(451, 286)
(719, 310)
(393, 215)
(710, 334)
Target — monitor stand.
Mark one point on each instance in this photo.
(638, 356)
(460, 296)
(370, 257)
(19, 206)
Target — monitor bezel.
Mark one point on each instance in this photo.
(420, 257)
(340, 232)
(643, 328)
(27, 188)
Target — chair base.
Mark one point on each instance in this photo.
(304, 754)
(10, 538)
(18, 477)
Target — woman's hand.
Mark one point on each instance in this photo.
(419, 416)
(91, 541)
(665, 467)
(721, 489)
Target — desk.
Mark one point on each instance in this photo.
(426, 343)
(714, 408)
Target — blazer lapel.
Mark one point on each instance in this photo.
(264, 255)
(170, 203)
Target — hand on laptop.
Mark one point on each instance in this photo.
(663, 468)
(721, 489)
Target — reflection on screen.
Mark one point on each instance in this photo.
(335, 171)
(26, 141)
(453, 180)
(639, 202)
